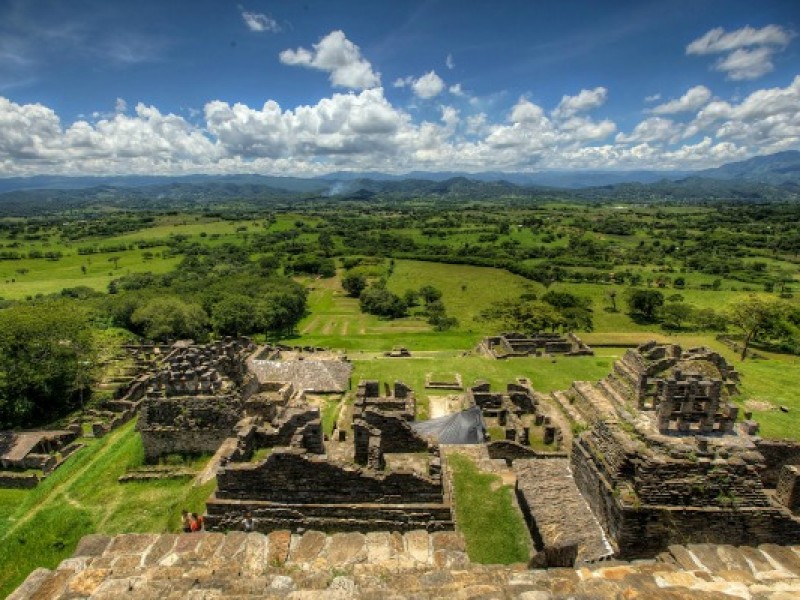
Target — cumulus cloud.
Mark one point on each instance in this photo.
(456, 90)
(342, 124)
(747, 51)
(696, 97)
(746, 64)
(653, 98)
(364, 131)
(654, 129)
(451, 64)
(584, 101)
(767, 118)
(428, 86)
(120, 105)
(338, 56)
(260, 22)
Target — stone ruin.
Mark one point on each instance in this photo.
(519, 413)
(662, 460)
(306, 368)
(27, 457)
(195, 401)
(392, 479)
(511, 344)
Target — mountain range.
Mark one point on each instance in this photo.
(762, 178)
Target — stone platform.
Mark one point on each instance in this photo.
(387, 566)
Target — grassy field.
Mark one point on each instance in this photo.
(40, 527)
(545, 374)
(492, 527)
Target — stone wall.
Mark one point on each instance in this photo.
(788, 490)
(510, 451)
(292, 477)
(194, 425)
(777, 453)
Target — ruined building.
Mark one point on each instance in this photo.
(663, 460)
(390, 480)
(507, 345)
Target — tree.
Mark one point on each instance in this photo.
(754, 315)
(429, 294)
(354, 284)
(644, 303)
(380, 301)
(169, 317)
(612, 296)
(523, 316)
(674, 314)
(234, 315)
(46, 359)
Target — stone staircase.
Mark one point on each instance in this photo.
(592, 402)
(388, 566)
(553, 505)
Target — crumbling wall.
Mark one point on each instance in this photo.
(777, 453)
(289, 476)
(645, 503)
(187, 425)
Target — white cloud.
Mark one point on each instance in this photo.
(120, 105)
(767, 119)
(450, 117)
(585, 100)
(746, 64)
(748, 51)
(364, 131)
(450, 62)
(428, 86)
(717, 40)
(260, 22)
(456, 90)
(653, 98)
(338, 56)
(696, 97)
(654, 129)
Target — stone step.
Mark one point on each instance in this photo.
(564, 402)
(249, 566)
(595, 405)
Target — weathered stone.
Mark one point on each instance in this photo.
(277, 546)
(308, 547)
(92, 545)
(417, 545)
(346, 548)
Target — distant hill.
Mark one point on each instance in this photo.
(763, 178)
(774, 169)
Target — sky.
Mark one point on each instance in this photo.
(309, 87)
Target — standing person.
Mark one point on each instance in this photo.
(247, 523)
(186, 521)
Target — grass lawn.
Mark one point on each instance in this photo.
(41, 527)
(493, 528)
(545, 374)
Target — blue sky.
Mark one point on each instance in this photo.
(308, 87)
